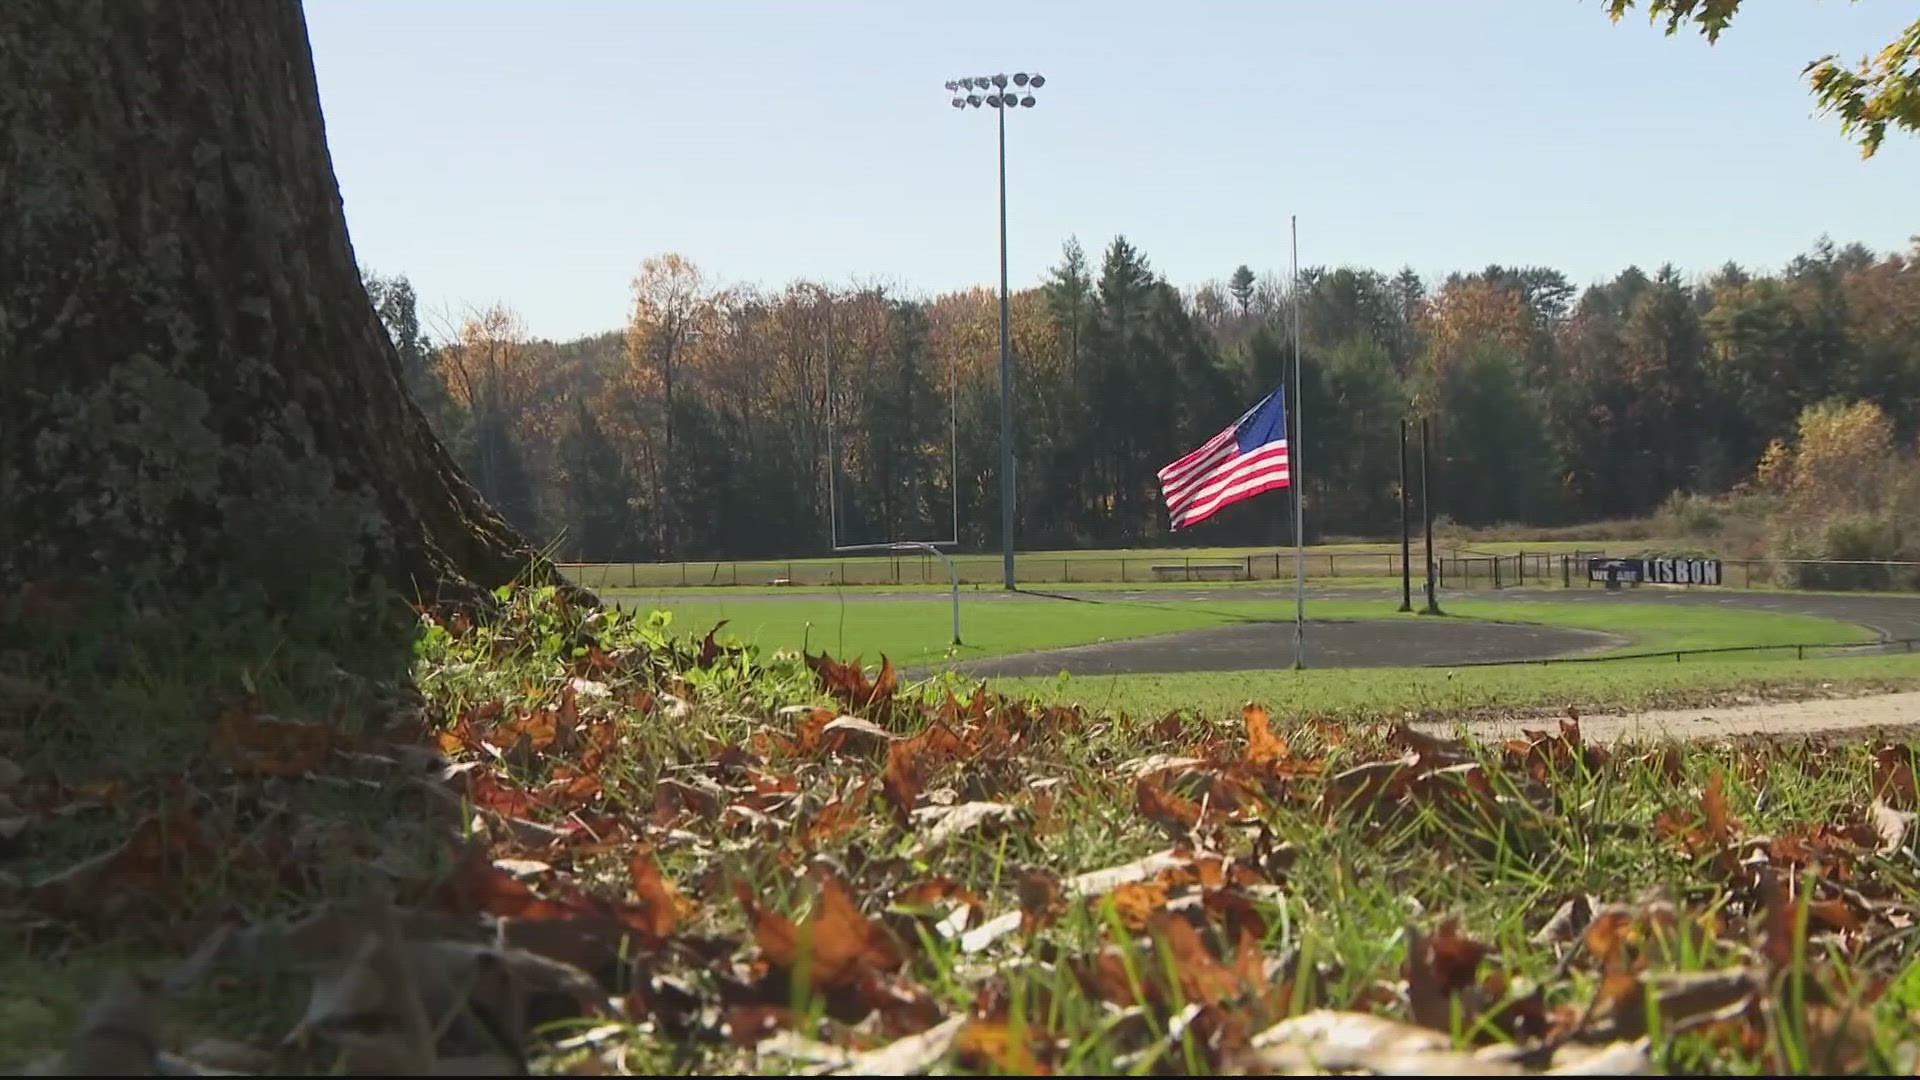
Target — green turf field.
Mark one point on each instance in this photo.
(916, 631)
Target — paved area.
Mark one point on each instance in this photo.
(1245, 646)
(1892, 714)
(1248, 646)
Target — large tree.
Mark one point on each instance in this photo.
(198, 395)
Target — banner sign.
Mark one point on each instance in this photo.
(1660, 570)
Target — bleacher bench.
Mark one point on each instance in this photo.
(1164, 571)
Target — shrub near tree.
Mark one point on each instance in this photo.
(1846, 492)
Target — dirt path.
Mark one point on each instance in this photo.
(1792, 719)
(1252, 646)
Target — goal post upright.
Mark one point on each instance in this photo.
(930, 547)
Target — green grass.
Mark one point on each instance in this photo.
(1376, 693)
(916, 631)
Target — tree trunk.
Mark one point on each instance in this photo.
(195, 390)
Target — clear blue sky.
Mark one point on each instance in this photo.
(534, 153)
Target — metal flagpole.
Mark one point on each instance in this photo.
(1293, 472)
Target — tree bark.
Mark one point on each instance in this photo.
(194, 386)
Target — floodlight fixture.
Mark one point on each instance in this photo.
(993, 101)
(1000, 81)
(1020, 78)
(973, 100)
(1037, 81)
(982, 81)
(952, 86)
(959, 103)
(1027, 101)
(966, 83)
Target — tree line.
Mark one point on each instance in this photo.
(726, 421)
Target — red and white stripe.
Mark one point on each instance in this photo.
(1218, 475)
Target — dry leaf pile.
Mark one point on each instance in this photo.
(676, 858)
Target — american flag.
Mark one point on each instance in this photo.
(1249, 457)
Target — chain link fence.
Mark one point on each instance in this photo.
(1458, 569)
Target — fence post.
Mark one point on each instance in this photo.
(1249, 567)
(683, 573)
(1123, 571)
(1566, 574)
(1496, 571)
(736, 573)
(1801, 650)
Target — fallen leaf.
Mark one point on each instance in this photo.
(119, 1035)
(836, 941)
(1135, 903)
(148, 867)
(1175, 815)
(991, 1046)
(1154, 763)
(1330, 1041)
(1438, 969)
(790, 1045)
(661, 907)
(253, 742)
(1893, 777)
(1038, 891)
(853, 725)
(943, 823)
(910, 1056)
(1264, 748)
(838, 816)
(588, 688)
(1713, 803)
(1680, 998)
(1047, 890)
(1889, 825)
(369, 1007)
(227, 1056)
(13, 820)
(1566, 923)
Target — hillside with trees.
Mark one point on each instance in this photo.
(701, 430)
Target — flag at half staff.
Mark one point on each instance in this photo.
(1249, 457)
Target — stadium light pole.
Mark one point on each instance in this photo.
(1001, 93)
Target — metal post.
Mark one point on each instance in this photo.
(1406, 552)
(1293, 470)
(833, 450)
(1006, 380)
(1426, 512)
